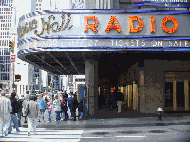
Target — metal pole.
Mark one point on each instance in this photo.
(51, 88)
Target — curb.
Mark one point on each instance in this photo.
(105, 126)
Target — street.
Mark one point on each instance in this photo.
(172, 133)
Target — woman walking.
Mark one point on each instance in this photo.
(49, 111)
(33, 114)
(25, 104)
(57, 107)
(80, 108)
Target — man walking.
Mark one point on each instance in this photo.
(120, 99)
(33, 114)
(13, 119)
(5, 109)
(74, 105)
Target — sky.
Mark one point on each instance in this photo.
(22, 7)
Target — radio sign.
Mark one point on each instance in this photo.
(102, 31)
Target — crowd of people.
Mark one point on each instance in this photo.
(33, 109)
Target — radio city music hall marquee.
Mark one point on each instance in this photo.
(105, 30)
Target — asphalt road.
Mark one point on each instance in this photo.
(174, 133)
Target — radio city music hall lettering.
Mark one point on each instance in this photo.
(113, 24)
(116, 26)
(33, 25)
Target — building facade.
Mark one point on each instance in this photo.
(117, 48)
(6, 22)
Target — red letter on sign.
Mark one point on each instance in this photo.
(110, 26)
(91, 26)
(152, 23)
(164, 24)
(131, 29)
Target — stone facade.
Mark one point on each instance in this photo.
(152, 92)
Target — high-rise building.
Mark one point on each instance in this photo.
(6, 14)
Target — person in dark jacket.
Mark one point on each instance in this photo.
(69, 102)
(80, 108)
(14, 105)
(74, 105)
(107, 98)
(19, 110)
(120, 99)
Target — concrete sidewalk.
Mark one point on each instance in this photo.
(122, 120)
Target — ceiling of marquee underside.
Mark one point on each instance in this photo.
(110, 64)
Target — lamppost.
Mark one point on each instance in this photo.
(13, 32)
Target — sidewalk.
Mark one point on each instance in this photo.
(124, 119)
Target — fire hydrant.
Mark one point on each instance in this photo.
(160, 112)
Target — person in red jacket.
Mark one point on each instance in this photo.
(63, 107)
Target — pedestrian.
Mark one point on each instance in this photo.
(69, 102)
(5, 109)
(33, 114)
(57, 107)
(107, 97)
(66, 99)
(74, 106)
(24, 105)
(120, 99)
(80, 108)
(13, 117)
(43, 106)
(49, 111)
(63, 107)
(19, 110)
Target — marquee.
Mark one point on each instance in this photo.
(104, 30)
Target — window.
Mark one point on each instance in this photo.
(4, 76)
(36, 69)
(36, 4)
(36, 8)
(39, 8)
(40, 4)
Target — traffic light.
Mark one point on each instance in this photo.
(11, 46)
(50, 84)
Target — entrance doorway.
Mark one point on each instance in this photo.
(169, 95)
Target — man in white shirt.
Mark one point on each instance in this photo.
(5, 109)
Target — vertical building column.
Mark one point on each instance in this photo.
(186, 95)
(110, 4)
(174, 95)
(141, 96)
(135, 93)
(129, 95)
(91, 81)
(101, 4)
(97, 4)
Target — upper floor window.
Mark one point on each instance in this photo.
(36, 69)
